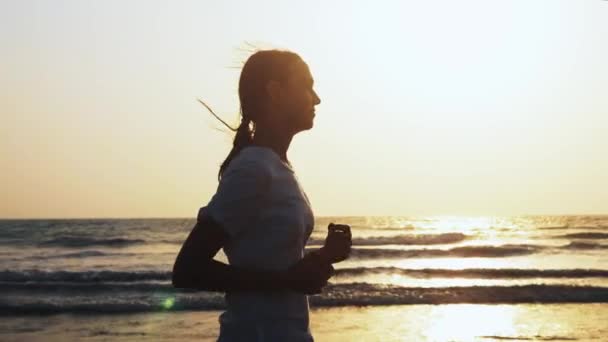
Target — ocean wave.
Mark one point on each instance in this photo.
(109, 307)
(554, 227)
(568, 227)
(468, 251)
(585, 235)
(460, 252)
(476, 273)
(422, 239)
(530, 338)
(334, 295)
(136, 280)
(406, 227)
(578, 245)
(375, 294)
(73, 288)
(80, 277)
(600, 227)
(77, 255)
(70, 241)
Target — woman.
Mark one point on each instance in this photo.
(261, 216)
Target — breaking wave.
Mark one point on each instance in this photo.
(411, 239)
(69, 241)
(461, 252)
(585, 235)
(353, 294)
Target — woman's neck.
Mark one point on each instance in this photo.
(277, 142)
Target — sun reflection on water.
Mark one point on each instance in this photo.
(462, 322)
(465, 322)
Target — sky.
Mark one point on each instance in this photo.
(467, 107)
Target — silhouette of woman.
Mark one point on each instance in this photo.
(261, 216)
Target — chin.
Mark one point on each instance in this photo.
(310, 124)
(305, 127)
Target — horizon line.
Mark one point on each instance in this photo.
(319, 216)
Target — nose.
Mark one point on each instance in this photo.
(316, 98)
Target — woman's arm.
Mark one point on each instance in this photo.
(195, 267)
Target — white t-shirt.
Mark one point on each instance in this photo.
(261, 205)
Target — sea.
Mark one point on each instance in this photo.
(422, 278)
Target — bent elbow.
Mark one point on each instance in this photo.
(190, 277)
(176, 281)
(180, 282)
(178, 277)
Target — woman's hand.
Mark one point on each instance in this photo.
(337, 244)
(309, 275)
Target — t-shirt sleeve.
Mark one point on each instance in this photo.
(239, 197)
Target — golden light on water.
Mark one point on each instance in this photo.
(490, 228)
(465, 224)
(463, 322)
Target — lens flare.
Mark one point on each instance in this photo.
(168, 303)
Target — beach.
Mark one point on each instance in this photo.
(408, 279)
(454, 322)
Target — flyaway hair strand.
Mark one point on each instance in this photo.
(215, 115)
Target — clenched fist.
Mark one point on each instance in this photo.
(337, 244)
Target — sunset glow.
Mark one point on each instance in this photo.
(428, 108)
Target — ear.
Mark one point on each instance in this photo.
(273, 89)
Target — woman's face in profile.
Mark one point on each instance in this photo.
(299, 98)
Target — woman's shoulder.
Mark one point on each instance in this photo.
(253, 159)
(255, 155)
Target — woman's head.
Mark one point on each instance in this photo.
(275, 90)
(276, 93)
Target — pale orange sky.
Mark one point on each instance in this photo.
(428, 107)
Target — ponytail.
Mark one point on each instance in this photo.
(243, 138)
